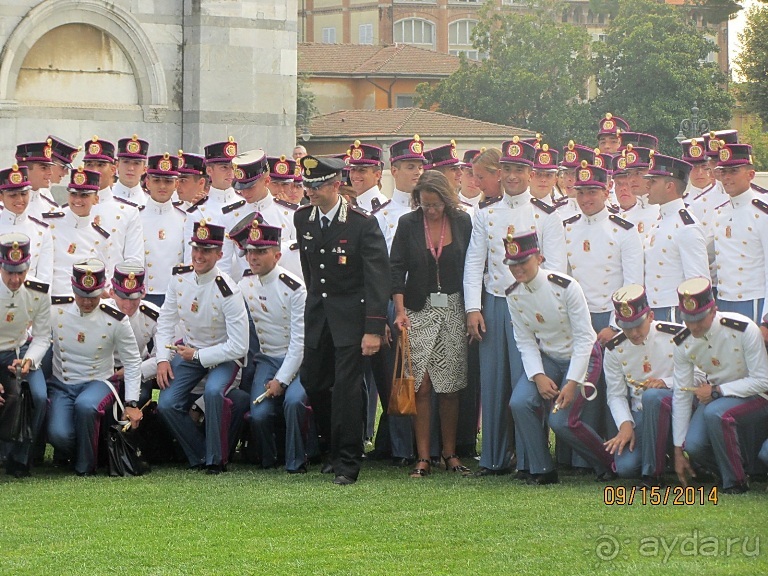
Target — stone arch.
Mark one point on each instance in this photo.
(116, 22)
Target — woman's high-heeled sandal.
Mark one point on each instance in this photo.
(460, 468)
(421, 472)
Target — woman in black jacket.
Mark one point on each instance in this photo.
(427, 263)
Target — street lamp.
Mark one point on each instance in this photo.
(692, 127)
(302, 127)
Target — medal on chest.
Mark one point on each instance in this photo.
(9, 317)
(586, 246)
(97, 220)
(727, 231)
(510, 230)
(161, 234)
(539, 318)
(646, 366)
(715, 361)
(640, 227)
(342, 260)
(263, 304)
(72, 248)
(81, 337)
(653, 239)
(195, 306)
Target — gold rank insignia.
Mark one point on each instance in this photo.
(161, 234)
(230, 150)
(195, 306)
(510, 232)
(81, 337)
(72, 248)
(539, 318)
(586, 246)
(626, 309)
(689, 303)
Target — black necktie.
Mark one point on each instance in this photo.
(325, 223)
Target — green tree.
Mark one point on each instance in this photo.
(753, 62)
(305, 103)
(534, 77)
(752, 132)
(651, 69)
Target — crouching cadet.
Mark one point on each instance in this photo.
(276, 299)
(86, 336)
(560, 357)
(731, 419)
(207, 306)
(638, 376)
(25, 303)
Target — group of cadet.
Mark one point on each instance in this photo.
(614, 295)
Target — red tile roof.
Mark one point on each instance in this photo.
(406, 122)
(362, 60)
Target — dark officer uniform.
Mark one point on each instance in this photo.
(346, 271)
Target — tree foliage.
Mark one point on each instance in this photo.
(305, 103)
(753, 62)
(651, 69)
(752, 132)
(534, 77)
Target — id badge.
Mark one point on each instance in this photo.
(438, 300)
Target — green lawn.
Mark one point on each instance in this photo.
(249, 521)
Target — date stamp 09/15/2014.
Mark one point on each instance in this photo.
(660, 496)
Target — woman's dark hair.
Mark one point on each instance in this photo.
(435, 182)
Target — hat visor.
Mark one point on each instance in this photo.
(523, 260)
(88, 294)
(699, 316)
(624, 325)
(126, 296)
(245, 185)
(15, 268)
(209, 246)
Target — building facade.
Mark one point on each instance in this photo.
(179, 73)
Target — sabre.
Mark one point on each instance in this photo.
(637, 384)
(171, 347)
(688, 388)
(128, 425)
(261, 398)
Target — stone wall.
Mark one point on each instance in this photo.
(180, 73)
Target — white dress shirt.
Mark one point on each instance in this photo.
(135, 195)
(370, 199)
(84, 346)
(76, 238)
(642, 215)
(388, 214)
(276, 302)
(675, 251)
(550, 315)
(604, 254)
(741, 248)
(40, 242)
(214, 323)
(123, 223)
(40, 202)
(485, 256)
(25, 312)
(624, 361)
(731, 354)
(164, 242)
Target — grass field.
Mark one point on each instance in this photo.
(250, 521)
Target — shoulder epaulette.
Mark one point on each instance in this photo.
(37, 286)
(56, 300)
(375, 209)
(461, 203)
(707, 189)
(304, 206)
(52, 215)
(180, 209)
(616, 340)
(248, 272)
(182, 269)
(759, 189)
(140, 208)
(286, 204)
(224, 288)
(114, 312)
(294, 246)
(40, 222)
(375, 204)
(571, 220)
(680, 337)
(489, 202)
(100, 230)
(234, 206)
(197, 204)
(723, 204)
(359, 210)
(619, 221)
(51, 202)
(149, 312)
(760, 205)
(669, 327)
(288, 281)
(177, 203)
(734, 324)
(511, 288)
(561, 281)
(560, 202)
(686, 217)
(124, 201)
(543, 206)
(612, 209)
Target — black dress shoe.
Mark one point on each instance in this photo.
(651, 482)
(215, 469)
(609, 476)
(522, 475)
(327, 468)
(16, 469)
(342, 480)
(481, 472)
(401, 462)
(543, 479)
(736, 489)
(300, 470)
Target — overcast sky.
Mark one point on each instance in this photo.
(735, 27)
